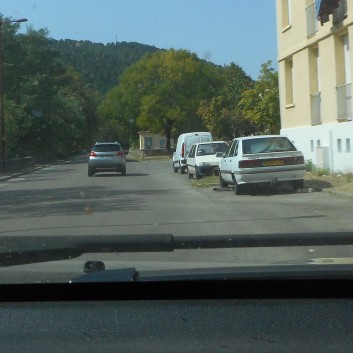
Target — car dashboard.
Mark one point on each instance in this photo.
(234, 315)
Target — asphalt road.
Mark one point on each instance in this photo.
(151, 199)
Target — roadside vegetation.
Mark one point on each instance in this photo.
(62, 96)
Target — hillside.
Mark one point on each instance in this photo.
(100, 64)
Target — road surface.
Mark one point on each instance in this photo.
(62, 200)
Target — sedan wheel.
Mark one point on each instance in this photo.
(237, 188)
(197, 174)
(222, 183)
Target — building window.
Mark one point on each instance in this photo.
(318, 143)
(312, 145)
(348, 145)
(289, 82)
(344, 75)
(286, 13)
(311, 20)
(315, 95)
(340, 13)
(339, 146)
(162, 143)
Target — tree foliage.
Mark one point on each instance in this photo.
(99, 64)
(162, 93)
(221, 113)
(260, 104)
(48, 109)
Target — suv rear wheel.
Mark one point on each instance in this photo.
(91, 172)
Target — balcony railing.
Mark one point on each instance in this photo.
(315, 108)
(344, 102)
(311, 21)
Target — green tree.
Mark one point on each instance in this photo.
(221, 113)
(260, 104)
(48, 108)
(161, 93)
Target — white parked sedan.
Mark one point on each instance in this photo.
(270, 159)
(203, 160)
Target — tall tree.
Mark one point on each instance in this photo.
(162, 92)
(221, 113)
(260, 104)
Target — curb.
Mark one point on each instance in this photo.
(23, 172)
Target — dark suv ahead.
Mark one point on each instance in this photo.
(107, 156)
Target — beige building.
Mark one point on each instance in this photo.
(149, 142)
(315, 74)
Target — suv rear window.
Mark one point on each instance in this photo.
(106, 148)
(267, 144)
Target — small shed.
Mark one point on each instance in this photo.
(151, 143)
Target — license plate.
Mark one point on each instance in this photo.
(273, 163)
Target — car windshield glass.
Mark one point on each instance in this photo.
(269, 144)
(190, 140)
(106, 148)
(102, 100)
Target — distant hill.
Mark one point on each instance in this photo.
(101, 64)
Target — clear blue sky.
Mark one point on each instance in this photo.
(221, 31)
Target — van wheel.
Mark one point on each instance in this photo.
(175, 169)
(222, 183)
(190, 175)
(182, 170)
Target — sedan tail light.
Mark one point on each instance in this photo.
(271, 162)
(93, 154)
(120, 154)
(294, 160)
(250, 163)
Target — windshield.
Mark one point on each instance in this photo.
(267, 144)
(210, 148)
(80, 79)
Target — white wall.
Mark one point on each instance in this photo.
(320, 145)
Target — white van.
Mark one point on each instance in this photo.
(184, 144)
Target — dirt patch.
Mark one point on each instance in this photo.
(334, 183)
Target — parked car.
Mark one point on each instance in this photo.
(184, 143)
(203, 159)
(107, 156)
(270, 159)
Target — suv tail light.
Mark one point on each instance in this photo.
(120, 154)
(93, 154)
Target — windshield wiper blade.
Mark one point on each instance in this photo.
(20, 250)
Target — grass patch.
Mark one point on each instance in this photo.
(206, 181)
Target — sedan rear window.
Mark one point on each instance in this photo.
(106, 148)
(267, 144)
(212, 148)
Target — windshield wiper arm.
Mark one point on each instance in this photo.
(20, 250)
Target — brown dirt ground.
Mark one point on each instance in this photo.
(341, 183)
